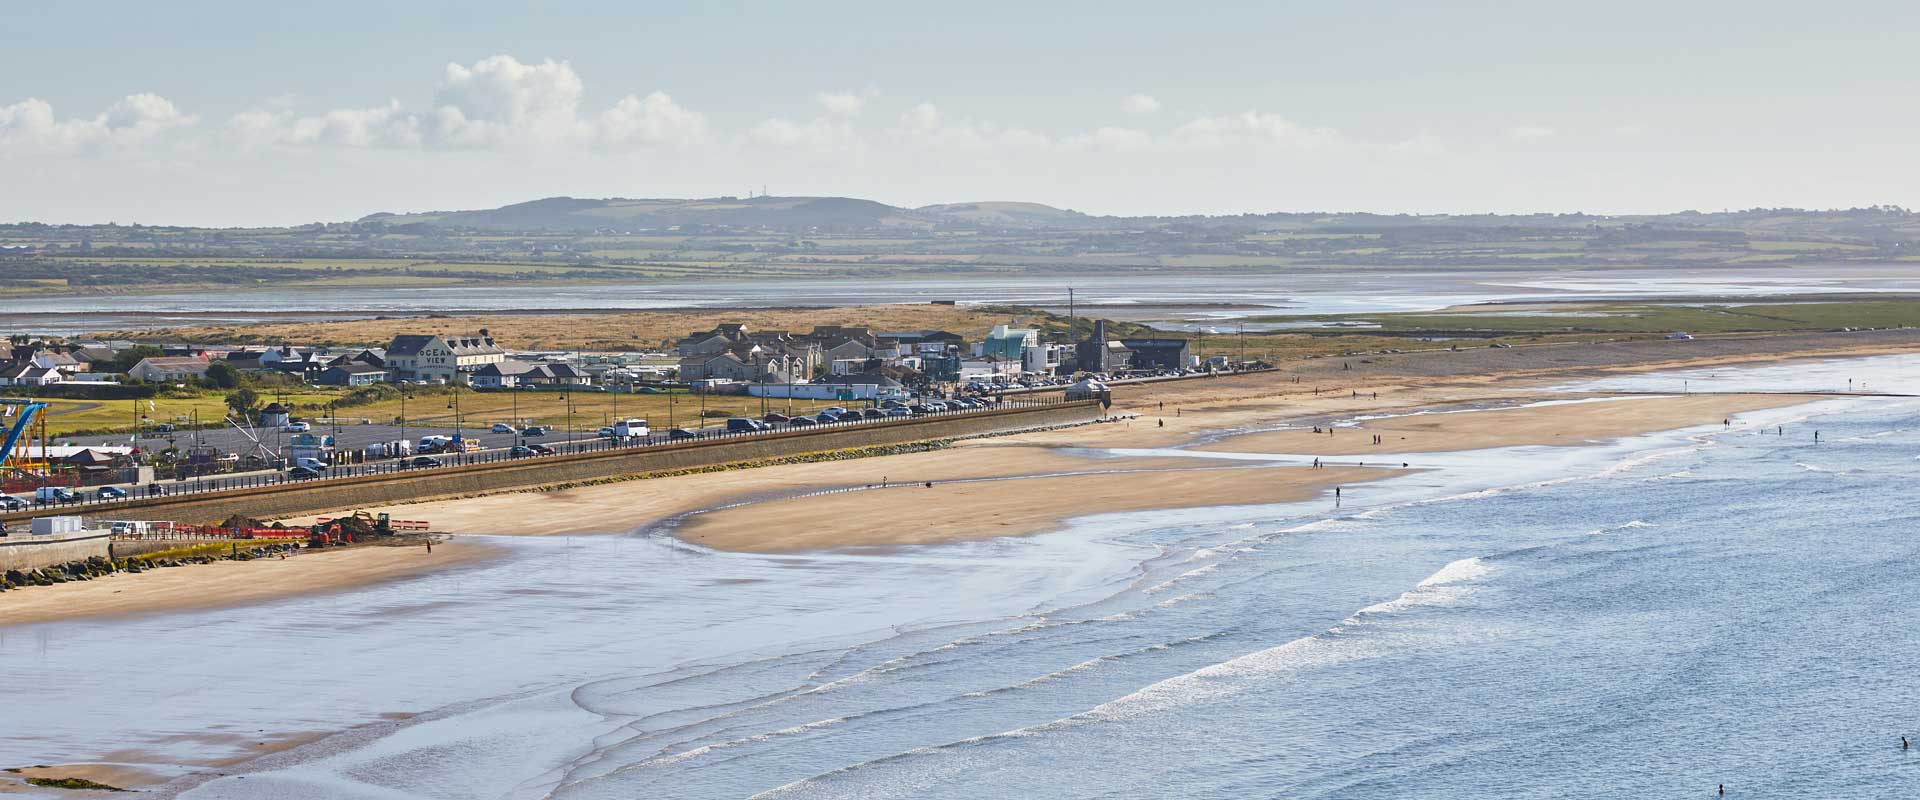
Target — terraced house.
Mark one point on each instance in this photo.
(447, 359)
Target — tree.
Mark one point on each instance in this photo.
(125, 359)
(222, 375)
(242, 401)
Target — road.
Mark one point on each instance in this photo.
(499, 449)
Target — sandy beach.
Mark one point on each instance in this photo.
(225, 583)
(1025, 483)
(1450, 429)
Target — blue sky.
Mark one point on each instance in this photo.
(231, 113)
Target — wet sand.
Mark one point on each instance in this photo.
(229, 583)
(984, 509)
(1567, 424)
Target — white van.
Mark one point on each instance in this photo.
(53, 494)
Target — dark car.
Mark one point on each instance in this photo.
(111, 493)
(519, 451)
(682, 433)
(873, 413)
(303, 474)
(801, 422)
(776, 417)
(425, 461)
(542, 449)
(534, 430)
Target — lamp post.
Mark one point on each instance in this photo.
(567, 398)
(514, 421)
(403, 414)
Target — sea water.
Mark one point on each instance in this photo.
(1650, 618)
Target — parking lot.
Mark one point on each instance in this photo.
(499, 447)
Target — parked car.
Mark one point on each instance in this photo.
(111, 493)
(501, 427)
(164, 427)
(897, 412)
(776, 417)
(744, 425)
(681, 433)
(542, 449)
(519, 451)
(11, 503)
(872, 413)
(425, 461)
(834, 410)
(298, 427)
(800, 422)
(53, 494)
(303, 474)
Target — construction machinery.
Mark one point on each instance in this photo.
(358, 527)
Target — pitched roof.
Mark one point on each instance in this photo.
(357, 368)
(408, 344)
(503, 368)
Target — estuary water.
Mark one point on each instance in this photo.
(1648, 618)
(1182, 300)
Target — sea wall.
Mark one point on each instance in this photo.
(374, 490)
(23, 551)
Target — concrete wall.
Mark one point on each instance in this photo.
(24, 551)
(376, 490)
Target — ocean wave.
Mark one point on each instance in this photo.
(1620, 527)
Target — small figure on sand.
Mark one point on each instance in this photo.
(929, 484)
(1163, 423)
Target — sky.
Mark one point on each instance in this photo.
(234, 114)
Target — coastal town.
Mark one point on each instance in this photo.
(292, 417)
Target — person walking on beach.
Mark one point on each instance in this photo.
(1723, 790)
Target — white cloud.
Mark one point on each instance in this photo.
(31, 127)
(1255, 128)
(926, 125)
(654, 119)
(819, 133)
(844, 104)
(1139, 104)
(1113, 138)
(1523, 133)
(498, 101)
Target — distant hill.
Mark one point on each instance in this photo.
(569, 213)
(785, 213)
(1004, 214)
